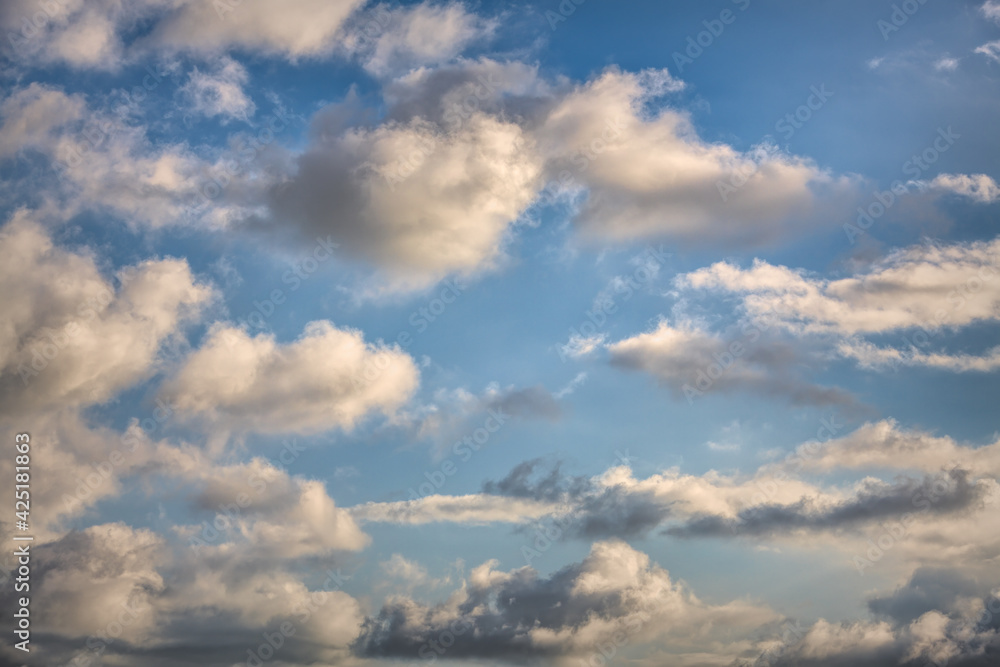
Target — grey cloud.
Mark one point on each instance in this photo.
(944, 494)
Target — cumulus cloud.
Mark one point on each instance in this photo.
(518, 616)
(692, 362)
(117, 591)
(946, 634)
(648, 174)
(273, 514)
(451, 215)
(71, 337)
(328, 378)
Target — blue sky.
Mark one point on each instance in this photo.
(645, 334)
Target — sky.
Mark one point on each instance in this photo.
(479, 334)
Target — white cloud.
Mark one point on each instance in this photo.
(31, 117)
(652, 175)
(270, 513)
(328, 378)
(991, 10)
(579, 346)
(946, 64)
(78, 33)
(110, 587)
(991, 50)
(295, 29)
(414, 199)
(978, 187)
(692, 362)
(471, 509)
(99, 161)
(414, 36)
(927, 286)
(219, 91)
(885, 444)
(871, 356)
(71, 337)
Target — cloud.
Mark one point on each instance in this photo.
(99, 161)
(691, 362)
(71, 337)
(77, 33)
(112, 591)
(927, 286)
(272, 514)
(328, 378)
(870, 356)
(991, 10)
(470, 509)
(955, 639)
(946, 64)
(451, 215)
(991, 50)
(648, 173)
(219, 91)
(873, 501)
(978, 187)
(928, 589)
(886, 445)
(419, 35)
(579, 346)
(465, 150)
(31, 117)
(295, 30)
(517, 615)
